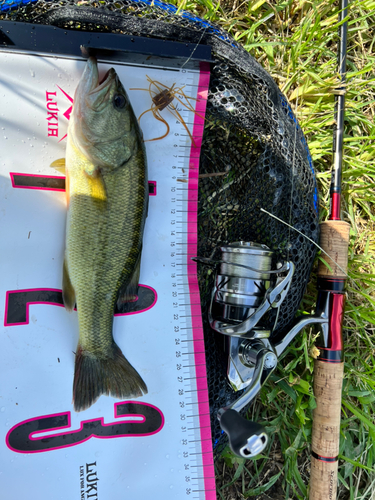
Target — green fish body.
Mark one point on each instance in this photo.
(107, 192)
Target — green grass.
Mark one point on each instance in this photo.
(296, 41)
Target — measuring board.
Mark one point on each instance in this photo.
(157, 446)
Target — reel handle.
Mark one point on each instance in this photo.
(246, 439)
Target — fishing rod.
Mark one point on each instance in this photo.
(329, 366)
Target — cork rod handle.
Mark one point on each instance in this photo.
(334, 239)
(328, 373)
(326, 430)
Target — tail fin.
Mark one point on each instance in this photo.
(112, 375)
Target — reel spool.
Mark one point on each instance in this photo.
(239, 288)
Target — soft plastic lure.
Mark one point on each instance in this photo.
(162, 97)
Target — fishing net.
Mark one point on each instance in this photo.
(251, 139)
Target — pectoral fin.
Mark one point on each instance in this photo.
(59, 165)
(128, 292)
(69, 296)
(97, 186)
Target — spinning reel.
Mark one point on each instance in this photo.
(246, 290)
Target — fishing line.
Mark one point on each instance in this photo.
(312, 241)
(195, 48)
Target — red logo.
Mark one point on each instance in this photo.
(53, 113)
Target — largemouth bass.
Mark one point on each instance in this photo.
(107, 191)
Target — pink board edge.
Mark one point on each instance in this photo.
(200, 370)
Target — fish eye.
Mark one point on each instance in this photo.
(119, 101)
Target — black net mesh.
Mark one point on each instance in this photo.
(251, 139)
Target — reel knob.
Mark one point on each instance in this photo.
(246, 439)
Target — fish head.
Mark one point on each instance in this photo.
(103, 126)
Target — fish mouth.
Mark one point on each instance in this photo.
(104, 82)
(97, 84)
(95, 92)
(106, 77)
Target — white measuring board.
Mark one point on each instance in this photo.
(157, 446)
